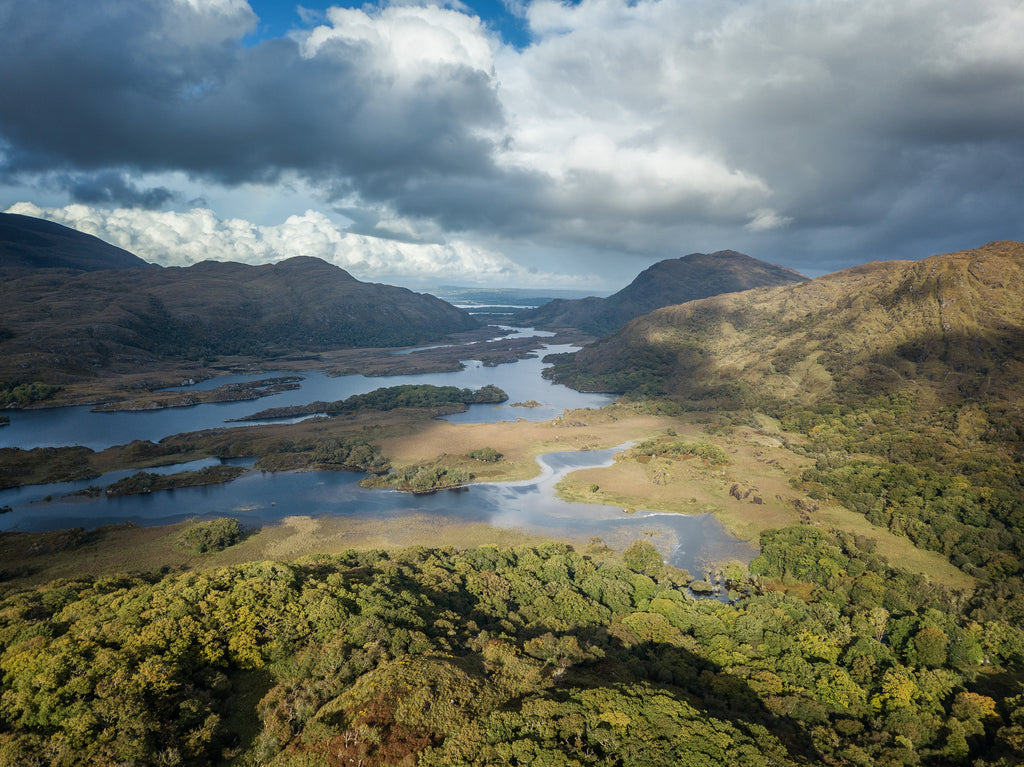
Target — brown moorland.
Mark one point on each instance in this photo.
(666, 283)
(946, 327)
(62, 326)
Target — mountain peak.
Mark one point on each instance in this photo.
(951, 325)
(303, 262)
(716, 255)
(34, 243)
(668, 282)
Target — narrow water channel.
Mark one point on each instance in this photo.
(264, 498)
(259, 498)
(521, 380)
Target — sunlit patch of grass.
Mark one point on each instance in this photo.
(31, 559)
(757, 461)
(898, 550)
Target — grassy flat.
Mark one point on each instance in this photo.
(749, 494)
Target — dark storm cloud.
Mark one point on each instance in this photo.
(811, 134)
(110, 87)
(111, 188)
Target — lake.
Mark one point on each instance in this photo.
(521, 380)
(262, 497)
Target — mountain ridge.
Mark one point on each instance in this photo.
(28, 243)
(60, 325)
(952, 324)
(668, 282)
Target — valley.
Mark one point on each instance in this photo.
(795, 529)
(534, 383)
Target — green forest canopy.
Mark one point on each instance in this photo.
(533, 655)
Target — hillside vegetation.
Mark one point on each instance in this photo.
(669, 282)
(60, 326)
(945, 327)
(897, 385)
(532, 655)
(901, 382)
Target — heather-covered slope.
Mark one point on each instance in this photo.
(950, 325)
(32, 243)
(669, 282)
(58, 325)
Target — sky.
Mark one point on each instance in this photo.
(519, 143)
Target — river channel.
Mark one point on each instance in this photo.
(259, 497)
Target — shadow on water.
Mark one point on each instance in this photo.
(258, 498)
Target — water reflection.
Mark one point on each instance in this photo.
(521, 380)
(264, 498)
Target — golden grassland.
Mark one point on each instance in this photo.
(898, 326)
(943, 327)
(520, 442)
(749, 494)
(36, 558)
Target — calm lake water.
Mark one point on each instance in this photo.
(521, 380)
(262, 498)
(691, 542)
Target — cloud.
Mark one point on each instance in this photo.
(110, 187)
(766, 219)
(181, 239)
(406, 44)
(164, 86)
(650, 128)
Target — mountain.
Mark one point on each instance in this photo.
(669, 282)
(32, 243)
(57, 325)
(950, 326)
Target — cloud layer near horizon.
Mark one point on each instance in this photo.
(170, 238)
(811, 134)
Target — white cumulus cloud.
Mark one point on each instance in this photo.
(180, 239)
(766, 219)
(404, 41)
(650, 128)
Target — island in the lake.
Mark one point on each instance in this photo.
(862, 428)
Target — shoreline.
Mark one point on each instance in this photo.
(754, 454)
(748, 496)
(491, 345)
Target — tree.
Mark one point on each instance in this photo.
(642, 557)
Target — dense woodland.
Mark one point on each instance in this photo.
(418, 395)
(538, 655)
(952, 480)
(19, 395)
(900, 383)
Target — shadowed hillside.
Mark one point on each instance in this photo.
(950, 325)
(669, 282)
(59, 325)
(32, 243)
